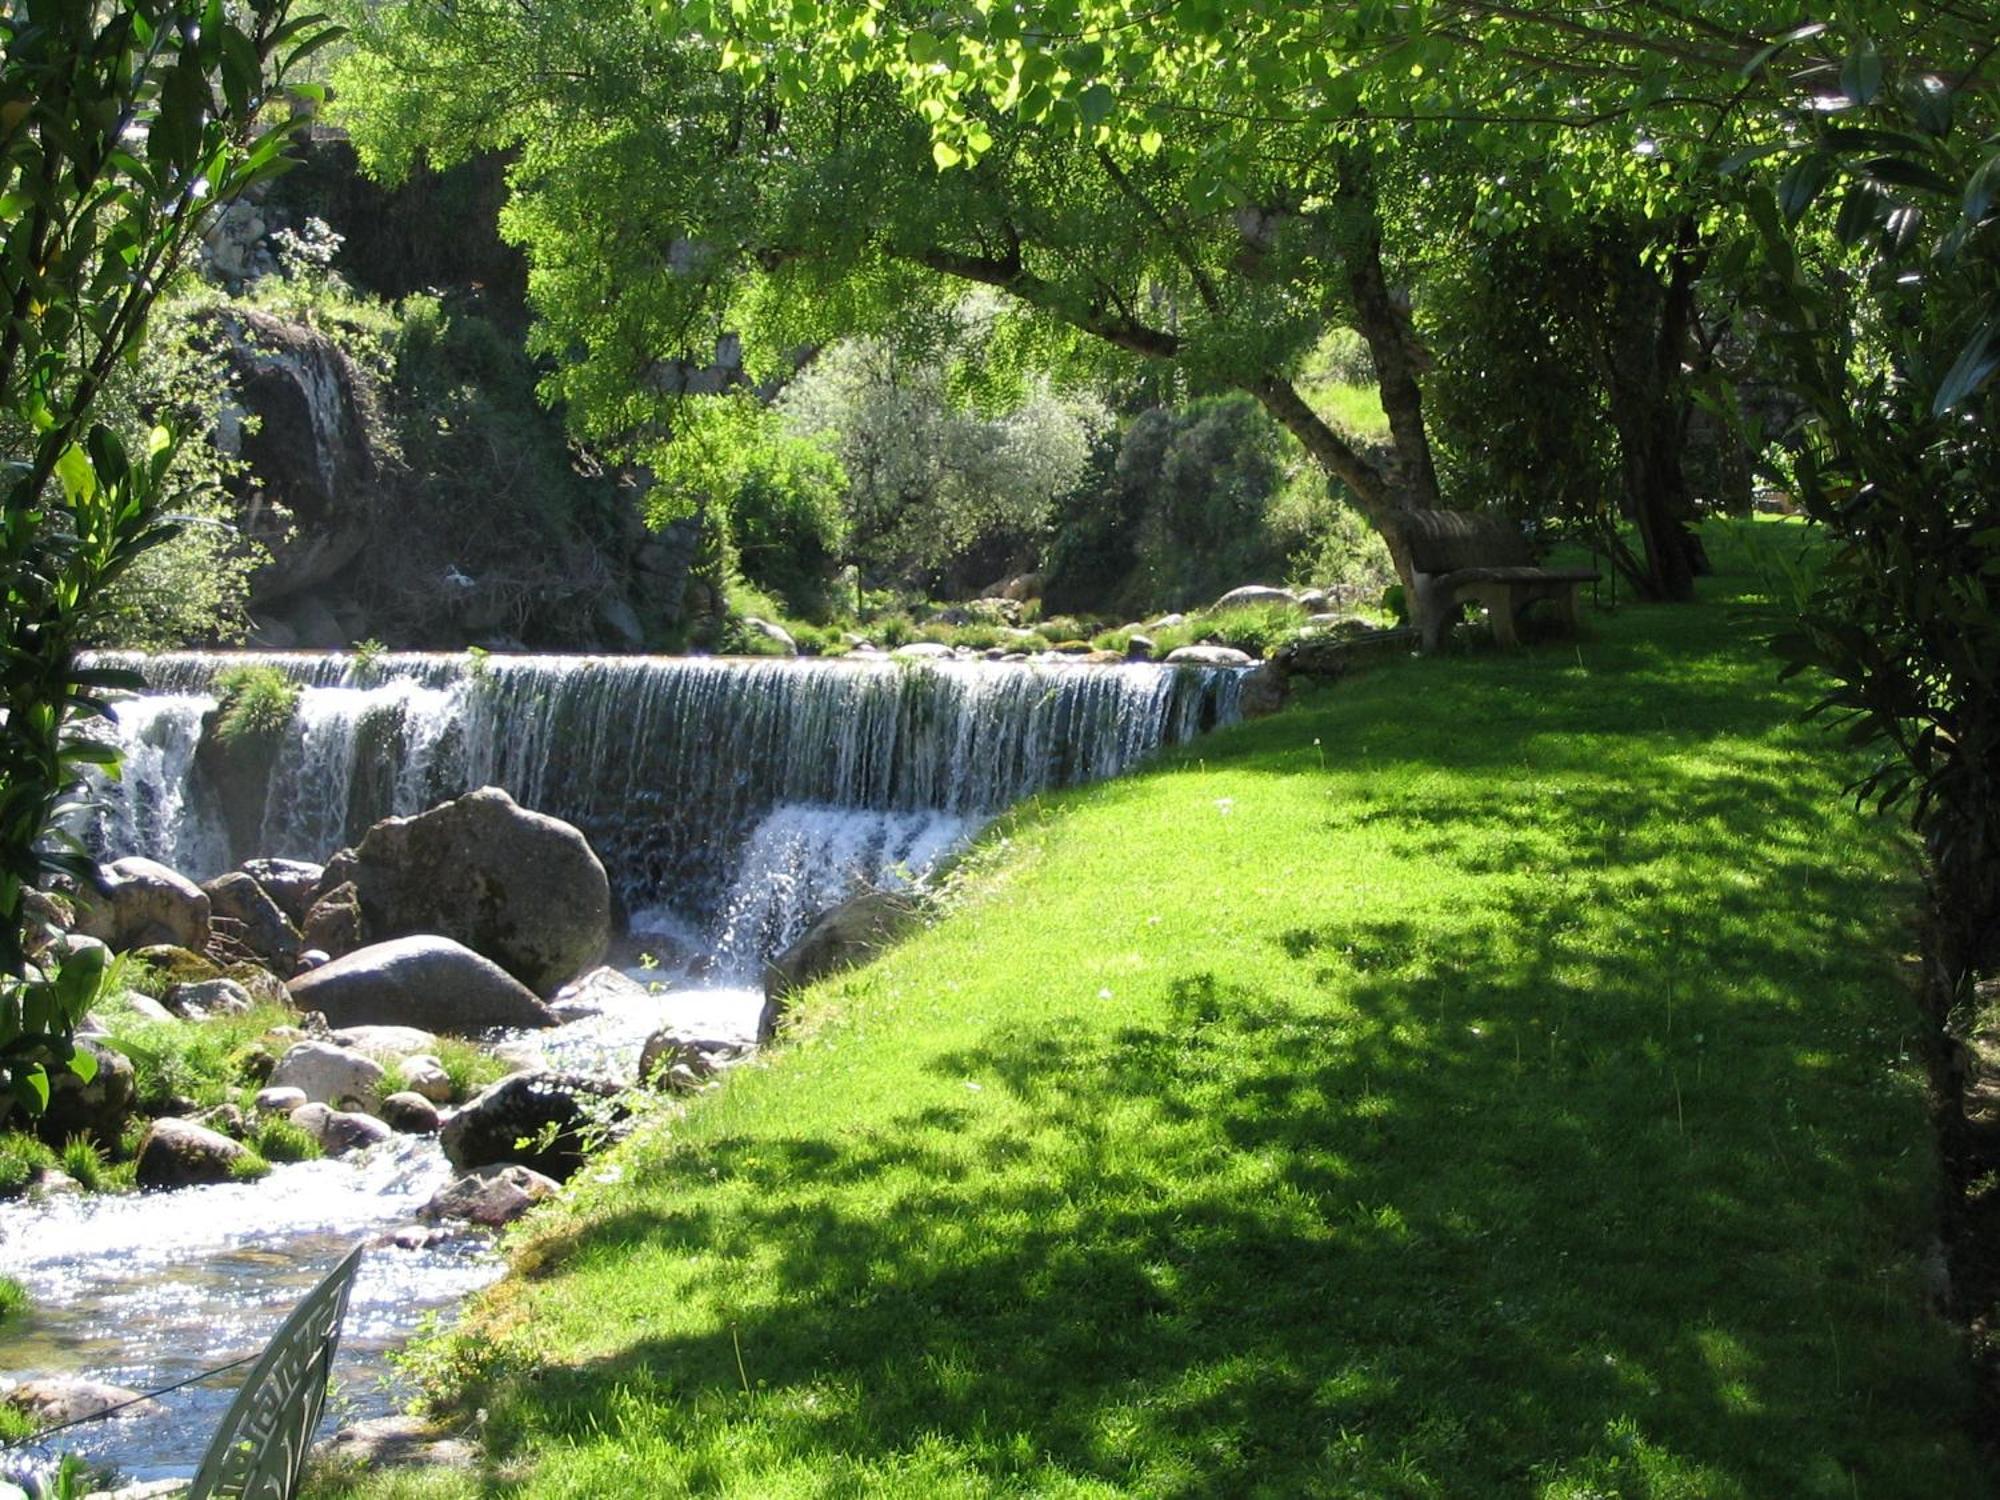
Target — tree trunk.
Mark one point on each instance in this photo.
(1384, 325)
(1642, 342)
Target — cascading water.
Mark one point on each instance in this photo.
(673, 767)
(731, 802)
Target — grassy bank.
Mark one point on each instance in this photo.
(1487, 1078)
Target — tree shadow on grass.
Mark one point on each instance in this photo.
(1592, 1180)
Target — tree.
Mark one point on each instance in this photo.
(121, 127)
(792, 215)
(943, 494)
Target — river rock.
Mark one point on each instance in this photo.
(680, 1062)
(426, 1077)
(428, 982)
(1252, 595)
(925, 651)
(1264, 691)
(409, 1113)
(388, 1045)
(143, 902)
(292, 883)
(98, 1109)
(852, 933)
(598, 991)
(1209, 656)
(340, 1130)
(1140, 647)
(334, 926)
(398, 1442)
(226, 1119)
(280, 1101)
(329, 1074)
(552, 1112)
(209, 997)
(59, 1399)
(777, 635)
(521, 888)
(496, 1194)
(53, 1182)
(179, 1153)
(146, 1008)
(243, 915)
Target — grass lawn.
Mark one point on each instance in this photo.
(1486, 1078)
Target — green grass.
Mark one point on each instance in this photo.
(1487, 1078)
(13, 1299)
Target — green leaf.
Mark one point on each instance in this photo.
(1861, 74)
(31, 1087)
(78, 478)
(946, 155)
(1096, 104)
(1972, 369)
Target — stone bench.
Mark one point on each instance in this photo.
(1458, 558)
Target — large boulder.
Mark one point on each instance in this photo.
(544, 1120)
(521, 888)
(179, 1153)
(142, 902)
(431, 983)
(852, 933)
(243, 916)
(97, 1109)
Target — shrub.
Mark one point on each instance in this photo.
(13, 1298)
(249, 1167)
(255, 702)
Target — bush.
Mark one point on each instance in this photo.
(254, 703)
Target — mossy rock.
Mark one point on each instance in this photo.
(163, 966)
(260, 983)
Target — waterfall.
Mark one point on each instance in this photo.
(740, 795)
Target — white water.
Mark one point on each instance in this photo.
(669, 765)
(144, 1290)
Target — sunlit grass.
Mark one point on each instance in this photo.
(1487, 1078)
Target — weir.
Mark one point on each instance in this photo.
(729, 799)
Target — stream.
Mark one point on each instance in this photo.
(731, 804)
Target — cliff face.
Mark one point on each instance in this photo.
(401, 472)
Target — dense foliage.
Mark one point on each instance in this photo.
(92, 229)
